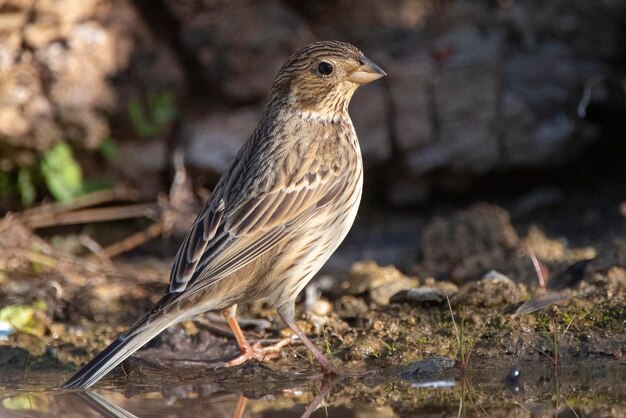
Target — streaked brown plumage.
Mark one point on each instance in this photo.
(276, 215)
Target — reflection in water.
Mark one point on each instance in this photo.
(102, 406)
(327, 386)
(594, 389)
(106, 408)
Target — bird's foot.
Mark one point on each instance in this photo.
(257, 352)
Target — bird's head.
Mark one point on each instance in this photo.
(320, 79)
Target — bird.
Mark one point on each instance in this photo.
(277, 213)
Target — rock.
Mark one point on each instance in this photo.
(493, 290)
(241, 44)
(55, 74)
(369, 113)
(321, 307)
(536, 200)
(212, 142)
(13, 357)
(382, 294)
(469, 242)
(141, 163)
(464, 110)
(349, 307)
(427, 367)
(480, 94)
(365, 346)
(420, 296)
(488, 88)
(608, 284)
(446, 287)
(431, 292)
(407, 191)
(532, 135)
(315, 304)
(411, 90)
(380, 282)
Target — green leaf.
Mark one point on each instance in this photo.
(108, 149)
(27, 402)
(162, 108)
(25, 186)
(93, 185)
(141, 124)
(25, 318)
(161, 111)
(61, 172)
(5, 184)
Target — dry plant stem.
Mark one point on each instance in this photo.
(93, 215)
(463, 354)
(59, 263)
(131, 242)
(540, 269)
(66, 263)
(555, 340)
(466, 397)
(94, 247)
(90, 199)
(556, 359)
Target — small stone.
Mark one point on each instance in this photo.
(428, 367)
(305, 326)
(320, 307)
(41, 33)
(420, 295)
(351, 307)
(381, 282)
(365, 346)
(12, 21)
(493, 290)
(13, 358)
(382, 294)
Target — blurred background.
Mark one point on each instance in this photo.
(521, 104)
(495, 174)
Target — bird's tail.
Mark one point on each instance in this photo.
(125, 345)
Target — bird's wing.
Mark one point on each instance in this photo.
(225, 238)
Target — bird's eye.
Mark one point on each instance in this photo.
(324, 68)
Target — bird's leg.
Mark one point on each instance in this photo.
(249, 351)
(229, 314)
(325, 364)
(241, 407)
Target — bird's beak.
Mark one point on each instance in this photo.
(367, 72)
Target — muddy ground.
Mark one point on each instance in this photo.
(463, 302)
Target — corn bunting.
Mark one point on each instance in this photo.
(276, 215)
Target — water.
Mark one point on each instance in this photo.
(593, 388)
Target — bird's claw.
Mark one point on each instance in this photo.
(220, 365)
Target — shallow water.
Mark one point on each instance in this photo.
(586, 389)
